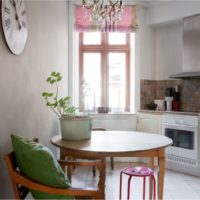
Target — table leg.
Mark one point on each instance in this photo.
(69, 168)
(62, 157)
(151, 165)
(161, 172)
(102, 176)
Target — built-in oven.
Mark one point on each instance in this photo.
(183, 130)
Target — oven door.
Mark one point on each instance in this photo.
(184, 140)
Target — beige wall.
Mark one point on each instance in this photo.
(22, 79)
(145, 48)
(169, 50)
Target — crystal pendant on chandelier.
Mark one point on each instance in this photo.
(105, 13)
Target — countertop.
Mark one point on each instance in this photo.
(159, 112)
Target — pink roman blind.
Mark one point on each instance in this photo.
(127, 24)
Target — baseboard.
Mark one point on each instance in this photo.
(195, 171)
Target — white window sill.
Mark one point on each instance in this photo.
(110, 113)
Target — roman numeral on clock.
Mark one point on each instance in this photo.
(7, 22)
(7, 10)
(20, 2)
(23, 12)
(23, 24)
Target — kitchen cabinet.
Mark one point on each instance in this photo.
(149, 122)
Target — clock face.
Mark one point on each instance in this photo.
(14, 23)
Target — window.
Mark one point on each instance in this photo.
(105, 70)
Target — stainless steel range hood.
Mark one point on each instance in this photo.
(191, 48)
(186, 75)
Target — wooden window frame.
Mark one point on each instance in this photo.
(104, 48)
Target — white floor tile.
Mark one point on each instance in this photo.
(177, 186)
(184, 194)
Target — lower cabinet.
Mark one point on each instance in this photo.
(149, 122)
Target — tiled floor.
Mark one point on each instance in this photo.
(178, 186)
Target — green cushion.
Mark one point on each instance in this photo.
(38, 162)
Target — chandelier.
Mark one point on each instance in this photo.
(105, 14)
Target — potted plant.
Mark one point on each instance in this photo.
(73, 127)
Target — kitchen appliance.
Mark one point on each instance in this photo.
(160, 104)
(176, 99)
(191, 46)
(183, 130)
(169, 92)
(176, 105)
(168, 103)
(168, 98)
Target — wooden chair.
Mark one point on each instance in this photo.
(111, 158)
(21, 183)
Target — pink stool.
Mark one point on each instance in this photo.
(138, 172)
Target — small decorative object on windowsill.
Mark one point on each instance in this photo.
(73, 127)
(105, 14)
(103, 109)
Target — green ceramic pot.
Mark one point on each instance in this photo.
(76, 128)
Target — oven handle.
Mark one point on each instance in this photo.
(180, 125)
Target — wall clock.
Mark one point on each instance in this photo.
(14, 22)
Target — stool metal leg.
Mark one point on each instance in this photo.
(154, 187)
(129, 183)
(151, 165)
(120, 186)
(144, 187)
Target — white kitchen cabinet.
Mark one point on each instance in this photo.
(149, 122)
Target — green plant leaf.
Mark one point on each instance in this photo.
(61, 99)
(57, 74)
(70, 110)
(44, 94)
(52, 81)
(55, 104)
(48, 104)
(59, 78)
(48, 79)
(67, 98)
(50, 94)
(53, 73)
(60, 106)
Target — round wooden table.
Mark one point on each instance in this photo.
(118, 144)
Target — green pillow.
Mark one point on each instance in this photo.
(38, 162)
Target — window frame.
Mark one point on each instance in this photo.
(104, 48)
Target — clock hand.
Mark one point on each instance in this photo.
(14, 4)
(16, 16)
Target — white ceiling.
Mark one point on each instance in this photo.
(150, 3)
